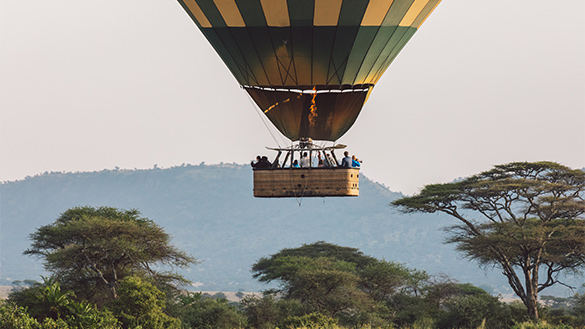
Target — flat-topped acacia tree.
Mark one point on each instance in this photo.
(524, 218)
(89, 250)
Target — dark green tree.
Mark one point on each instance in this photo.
(524, 218)
(463, 305)
(268, 312)
(383, 279)
(326, 285)
(47, 301)
(315, 250)
(141, 305)
(262, 312)
(578, 309)
(89, 250)
(197, 311)
(471, 311)
(335, 281)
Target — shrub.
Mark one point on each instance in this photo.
(473, 311)
(311, 320)
(268, 311)
(539, 325)
(197, 311)
(13, 316)
(141, 304)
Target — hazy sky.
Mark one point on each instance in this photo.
(90, 85)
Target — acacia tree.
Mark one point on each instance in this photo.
(335, 281)
(524, 218)
(89, 250)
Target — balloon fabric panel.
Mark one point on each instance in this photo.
(300, 54)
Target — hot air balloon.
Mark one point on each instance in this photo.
(309, 65)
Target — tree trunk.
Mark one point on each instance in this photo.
(113, 290)
(531, 303)
(531, 298)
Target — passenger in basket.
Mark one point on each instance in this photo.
(263, 163)
(254, 164)
(355, 162)
(346, 162)
(305, 162)
(295, 164)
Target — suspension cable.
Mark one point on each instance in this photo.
(262, 118)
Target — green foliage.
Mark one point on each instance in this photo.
(16, 317)
(339, 282)
(525, 216)
(47, 301)
(90, 249)
(382, 279)
(140, 303)
(446, 304)
(557, 241)
(578, 310)
(311, 320)
(267, 312)
(273, 268)
(569, 311)
(378, 294)
(197, 311)
(539, 325)
(409, 309)
(335, 281)
(472, 311)
(327, 287)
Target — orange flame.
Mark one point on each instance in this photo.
(313, 114)
(275, 105)
(278, 103)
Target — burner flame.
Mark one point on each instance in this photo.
(313, 114)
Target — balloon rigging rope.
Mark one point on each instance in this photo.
(263, 119)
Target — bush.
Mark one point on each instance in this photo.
(141, 304)
(197, 311)
(52, 307)
(474, 311)
(539, 325)
(268, 311)
(408, 309)
(13, 316)
(311, 320)
(578, 310)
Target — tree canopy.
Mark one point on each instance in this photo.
(525, 218)
(333, 280)
(89, 250)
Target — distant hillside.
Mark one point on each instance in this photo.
(211, 213)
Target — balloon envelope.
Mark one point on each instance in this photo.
(309, 64)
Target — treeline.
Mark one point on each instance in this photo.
(113, 268)
(106, 273)
(337, 295)
(142, 305)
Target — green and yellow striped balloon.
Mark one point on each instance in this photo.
(309, 64)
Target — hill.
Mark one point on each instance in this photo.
(210, 212)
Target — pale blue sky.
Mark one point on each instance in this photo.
(90, 85)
